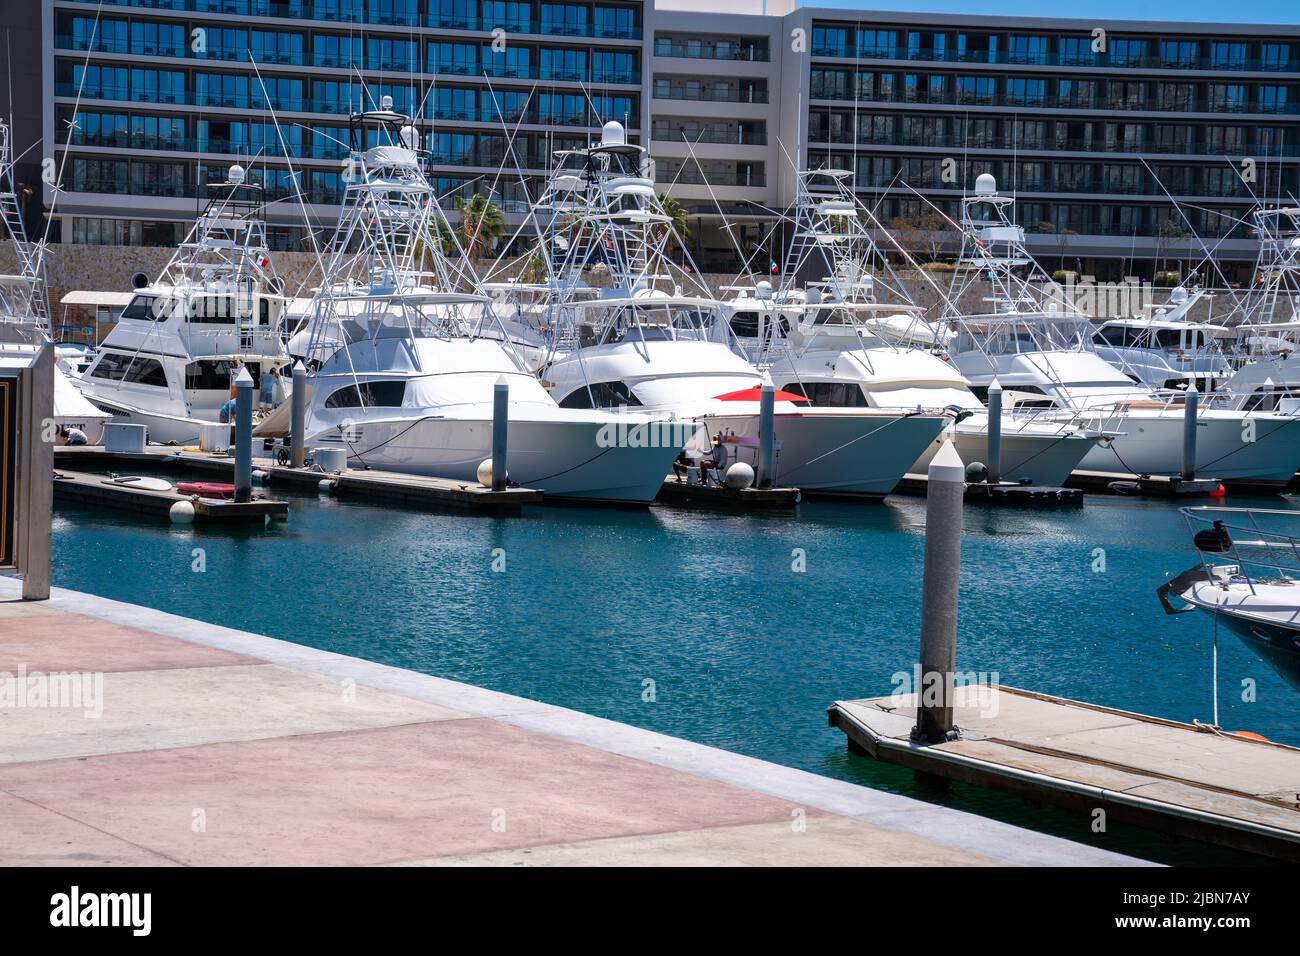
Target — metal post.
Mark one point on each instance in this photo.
(36, 474)
(243, 435)
(500, 424)
(298, 409)
(943, 529)
(1191, 400)
(995, 433)
(766, 426)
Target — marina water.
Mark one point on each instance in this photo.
(699, 625)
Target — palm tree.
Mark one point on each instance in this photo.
(481, 223)
(677, 216)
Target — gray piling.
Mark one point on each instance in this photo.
(943, 530)
(35, 492)
(995, 433)
(766, 439)
(500, 424)
(1191, 400)
(243, 435)
(298, 408)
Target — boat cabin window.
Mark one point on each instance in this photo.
(830, 394)
(264, 311)
(143, 307)
(1264, 400)
(745, 324)
(212, 374)
(128, 368)
(601, 395)
(369, 395)
(214, 309)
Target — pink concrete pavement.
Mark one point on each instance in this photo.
(205, 755)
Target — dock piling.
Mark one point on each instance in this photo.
(35, 467)
(995, 433)
(298, 410)
(1192, 399)
(766, 442)
(500, 423)
(943, 530)
(243, 436)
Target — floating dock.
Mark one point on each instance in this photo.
(1156, 486)
(1182, 779)
(1006, 493)
(100, 490)
(386, 486)
(676, 490)
(216, 747)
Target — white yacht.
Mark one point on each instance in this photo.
(1268, 315)
(652, 337)
(171, 360)
(1164, 350)
(25, 317)
(405, 350)
(856, 339)
(1042, 354)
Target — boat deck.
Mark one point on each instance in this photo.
(98, 490)
(1179, 778)
(211, 746)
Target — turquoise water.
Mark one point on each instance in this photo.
(744, 652)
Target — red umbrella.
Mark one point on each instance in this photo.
(754, 394)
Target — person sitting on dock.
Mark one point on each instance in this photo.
(72, 435)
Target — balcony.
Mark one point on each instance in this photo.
(714, 95)
(712, 51)
(723, 137)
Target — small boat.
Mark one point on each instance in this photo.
(140, 481)
(1248, 578)
(206, 489)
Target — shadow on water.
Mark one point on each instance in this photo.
(732, 630)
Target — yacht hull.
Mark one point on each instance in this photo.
(163, 429)
(853, 454)
(564, 458)
(1225, 447)
(1266, 620)
(1045, 457)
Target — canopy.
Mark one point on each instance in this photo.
(755, 394)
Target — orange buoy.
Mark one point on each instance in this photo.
(1218, 492)
(1250, 736)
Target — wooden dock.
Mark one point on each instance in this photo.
(1181, 779)
(385, 486)
(678, 491)
(100, 490)
(1009, 494)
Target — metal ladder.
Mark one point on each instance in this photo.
(31, 266)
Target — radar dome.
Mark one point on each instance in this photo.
(410, 137)
(763, 288)
(985, 185)
(236, 173)
(386, 103)
(611, 134)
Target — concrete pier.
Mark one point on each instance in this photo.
(219, 747)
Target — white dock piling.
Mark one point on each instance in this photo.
(943, 529)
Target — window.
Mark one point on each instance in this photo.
(1228, 56)
(142, 307)
(830, 394)
(117, 367)
(1076, 51)
(331, 50)
(209, 374)
(1027, 49)
(1275, 56)
(368, 395)
(1128, 52)
(1179, 53)
(881, 43)
(601, 395)
(1272, 99)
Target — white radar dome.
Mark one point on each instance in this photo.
(985, 185)
(611, 134)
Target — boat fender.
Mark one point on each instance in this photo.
(325, 485)
(181, 512)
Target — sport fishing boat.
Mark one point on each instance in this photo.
(1268, 315)
(25, 316)
(406, 351)
(1248, 578)
(218, 306)
(653, 337)
(1041, 352)
(1164, 350)
(855, 338)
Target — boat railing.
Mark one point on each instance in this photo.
(1264, 541)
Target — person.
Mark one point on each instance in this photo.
(75, 436)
